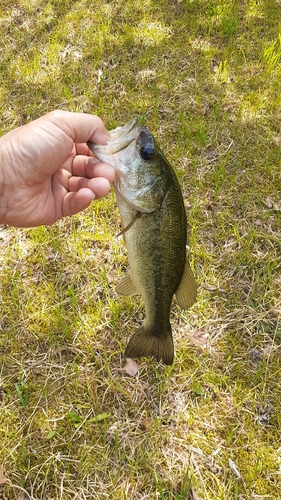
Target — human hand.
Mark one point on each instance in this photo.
(48, 172)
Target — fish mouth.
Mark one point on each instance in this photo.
(121, 132)
(120, 139)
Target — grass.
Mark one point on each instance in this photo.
(205, 77)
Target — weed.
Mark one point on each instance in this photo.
(271, 55)
(22, 392)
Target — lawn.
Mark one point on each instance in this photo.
(205, 78)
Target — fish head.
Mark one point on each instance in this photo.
(141, 170)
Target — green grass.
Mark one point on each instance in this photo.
(204, 76)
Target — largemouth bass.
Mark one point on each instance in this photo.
(154, 225)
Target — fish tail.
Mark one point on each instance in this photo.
(145, 343)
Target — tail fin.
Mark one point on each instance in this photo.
(145, 343)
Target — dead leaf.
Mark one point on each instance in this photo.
(59, 349)
(3, 479)
(130, 367)
(62, 348)
(258, 222)
(213, 466)
(146, 423)
(269, 202)
(210, 288)
(193, 495)
(200, 339)
(255, 356)
(111, 433)
(165, 109)
(234, 468)
(100, 75)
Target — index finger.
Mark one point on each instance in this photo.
(80, 127)
(83, 149)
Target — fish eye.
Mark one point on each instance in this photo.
(147, 152)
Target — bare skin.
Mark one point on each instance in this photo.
(48, 172)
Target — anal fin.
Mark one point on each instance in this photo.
(126, 286)
(187, 290)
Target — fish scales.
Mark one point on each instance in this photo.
(156, 246)
(154, 224)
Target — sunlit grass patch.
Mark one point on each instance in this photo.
(151, 33)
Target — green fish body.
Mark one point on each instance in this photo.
(154, 224)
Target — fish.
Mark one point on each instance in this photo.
(154, 227)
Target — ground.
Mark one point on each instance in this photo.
(204, 77)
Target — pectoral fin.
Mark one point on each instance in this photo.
(187, 290)
(125, 229)
(126, 286)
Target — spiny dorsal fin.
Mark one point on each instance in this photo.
(126, 286)
(187, 290)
